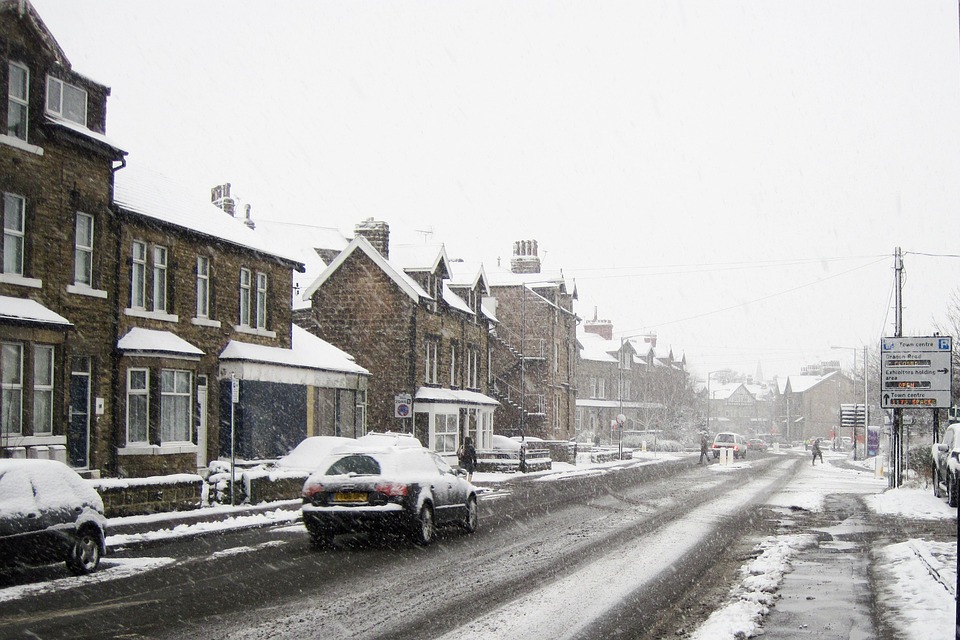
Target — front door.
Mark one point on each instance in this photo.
(201, 422)
(78, 436)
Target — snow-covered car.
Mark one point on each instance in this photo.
(946, 465)
(398, 489)
(314, 450)
(730, 440)
(48, 514)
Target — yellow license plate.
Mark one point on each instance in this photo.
(349, 496)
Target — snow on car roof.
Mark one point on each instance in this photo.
(27, 486)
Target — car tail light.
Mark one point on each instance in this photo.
(392, 489)
(311, 491)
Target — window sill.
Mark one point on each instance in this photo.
(205, 322)
(157, 450)
(21, 281)
(17, 440)
(84, 290)
(152, 315)
(17, 143)
(253, 331)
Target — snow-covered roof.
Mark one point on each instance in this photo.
(304, 240)
(153, 341)
(469, 274)
(454, 396)
(407, 284)
(147, 193)
(800, 384)
(454, 300)
(307, 351)
(27, 310)
(499, 276)
(419, 257)
(82, 130)
(597, 348)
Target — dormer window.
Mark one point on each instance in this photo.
(66, 101)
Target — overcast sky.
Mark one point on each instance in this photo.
(733, 175)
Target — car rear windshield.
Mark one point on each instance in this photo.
(725, 437)
(360, 465)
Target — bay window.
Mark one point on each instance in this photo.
(176, 397)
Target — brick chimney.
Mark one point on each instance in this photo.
(525, 258)
(603, 328)
(220, 197)
(377, 232)
(247, 220)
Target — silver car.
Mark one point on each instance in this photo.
(392, 489)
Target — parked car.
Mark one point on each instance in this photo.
(757, 443)
(395, 489)
(946, 465)
(729, 440)
(48, 514)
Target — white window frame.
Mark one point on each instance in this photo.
(473, 368)
(14, 238)
(601, 388)
(11, 389)
(43, 390)
(446, 432)
(245, 298)
(138, 275)
(171, 400)
(203, 287)
(430, 361)
(140, 394)
(18, 100)
(83, 253)
(453, 364)
(57, 92)
(160, 257)
(261, 301)
(361, 414)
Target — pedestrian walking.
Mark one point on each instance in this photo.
(704, 455)
(816, 451)
(467, 455)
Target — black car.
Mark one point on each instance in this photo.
(48, 513)
(394, 489)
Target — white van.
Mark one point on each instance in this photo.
(730, 440)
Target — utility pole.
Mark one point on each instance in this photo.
(896, 448)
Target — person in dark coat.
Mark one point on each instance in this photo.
(468, 457)
(704, 454)
(816, 451)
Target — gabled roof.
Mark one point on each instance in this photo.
(469, 274)
(405, 283)
(421, 257)
(149, 194)
(455, 301)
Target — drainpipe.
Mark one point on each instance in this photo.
(115, 320)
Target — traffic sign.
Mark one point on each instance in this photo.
(402, 405)
(916, 372)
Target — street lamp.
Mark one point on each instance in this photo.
(866, 413)
(709, 373)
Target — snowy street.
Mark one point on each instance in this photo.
(647, 549)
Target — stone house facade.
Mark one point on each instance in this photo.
(58, 266)
(129, 308)
(533, 350)
(394, 310)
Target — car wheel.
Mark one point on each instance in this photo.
(936, 482)
(473, 517)
(952, 487)
(423, 527)
(86, 551)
